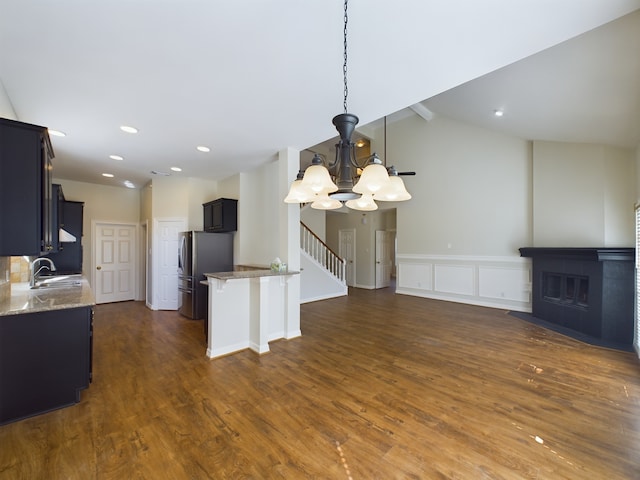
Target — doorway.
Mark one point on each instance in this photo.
(347, 251)
(165, 263)
(114, 261)
(384, 258)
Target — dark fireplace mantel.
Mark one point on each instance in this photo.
(594, 254)
(589, 290)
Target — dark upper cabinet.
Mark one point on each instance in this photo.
(25, 189)
(68, 258)
(57, 216)
(221, 215)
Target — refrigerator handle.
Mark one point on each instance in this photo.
(181, 254)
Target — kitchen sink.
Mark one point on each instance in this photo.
(59, 281)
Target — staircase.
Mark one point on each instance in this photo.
(323, 271)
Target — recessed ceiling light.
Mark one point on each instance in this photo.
(128, 184)
(202, 148)
(128, 129)
(56, 133)
(498, 113)
(116, 157)
(108, 175)
(176, 169)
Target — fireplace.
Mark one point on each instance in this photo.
(589, 290)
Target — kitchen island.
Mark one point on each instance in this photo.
(45, 348)
(248, 309)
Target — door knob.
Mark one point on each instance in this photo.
(98, 267)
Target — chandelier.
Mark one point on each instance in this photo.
(344, 180)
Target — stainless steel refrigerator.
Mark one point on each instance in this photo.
(200, 253)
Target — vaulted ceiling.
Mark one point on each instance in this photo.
(248, 79)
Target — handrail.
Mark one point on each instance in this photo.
(320, 240)
(322, 253)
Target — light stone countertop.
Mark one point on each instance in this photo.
(248, 274)
(26, 300)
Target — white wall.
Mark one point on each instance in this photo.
(472, 191)
(258, 218)
(6, 108)
(199, 191)
(230, 188)
(619, 196)
(583, 195)
(170, 197)
(316, 220)
(316, 283)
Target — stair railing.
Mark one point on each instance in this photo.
(321, 253)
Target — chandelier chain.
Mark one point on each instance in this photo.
(344, 66)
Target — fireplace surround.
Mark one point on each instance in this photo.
(588, 290)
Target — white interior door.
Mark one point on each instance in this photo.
(384, 263)
(115, 254)
(347, 250)
(166, 261)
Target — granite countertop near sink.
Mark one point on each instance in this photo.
(24, 299)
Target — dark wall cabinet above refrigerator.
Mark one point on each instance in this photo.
(221, 215)
(25, 189)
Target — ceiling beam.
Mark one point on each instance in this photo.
(422, 111)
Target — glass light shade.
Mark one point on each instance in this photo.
(374, 178)
(299, 193)
(395, 191)
(365, 202)
(324, 202)
(317, 178)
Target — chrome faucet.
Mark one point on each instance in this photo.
(34, 273)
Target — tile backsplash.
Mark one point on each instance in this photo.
(19, 270)
(12, 270)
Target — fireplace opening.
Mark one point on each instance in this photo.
(565, 289)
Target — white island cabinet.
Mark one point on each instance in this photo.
(248, 309)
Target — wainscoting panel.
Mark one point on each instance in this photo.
(454, 279)
(504, 283)
(498, 282)
(416, 276)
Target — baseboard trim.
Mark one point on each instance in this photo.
(324, 297)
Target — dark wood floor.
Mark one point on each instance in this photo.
(380, 386)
